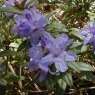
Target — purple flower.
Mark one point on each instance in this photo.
(57, 53)
(10, 3)
(35, 18)
(32, 21)
(13, 2)
(36, 54)
(46, 38)
(89, 34)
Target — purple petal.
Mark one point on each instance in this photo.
(93, 44)
(19, 19)
(8, 3)
(15, 30)
(53, 49)
(69, 56)
(43, 75)
(35, 53)
(28, 14)
(36, 36)
(46, 38)
(42, 22)
(47, 59)
(32, 66)
(62, 41)
(84, 32)
(60, 64)
(46, 62)
(88, 39)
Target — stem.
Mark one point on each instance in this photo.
(7, 65)
(19, 83)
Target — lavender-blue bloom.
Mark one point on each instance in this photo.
(89, 34)
(31, 22)
(35, 54)
(57, 53)
(9, 3)
(13, 2)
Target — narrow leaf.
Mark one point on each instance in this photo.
(85, 67)
(62, 84)
(11, 10)
(68, 79)
(74, 66)
(8, 53)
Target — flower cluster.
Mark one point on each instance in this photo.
(89, 34)
(56, 54)
(15, 2)
(32, 22)
(46, 51)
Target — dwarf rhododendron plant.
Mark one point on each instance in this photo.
(32, 25)
(41, 51)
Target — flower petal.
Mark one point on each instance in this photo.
(42, 75)
(35, 53)
(70, 56)
(88, 39)
(62, 40)
(60, 64)
(32, 66)
(46, 62)
(42, 22)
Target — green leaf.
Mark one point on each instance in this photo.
(50, 83)
(11, 10)
(6, 20)
(11, 77)
(74, 66)
(23, 45)
(76, 44)
(8, 53)
(62, 6)
(88, 76)
(84, 48)
(15, 45)
(59, 91)
(57, 27)
(62, 84)
(50, 13)
(68, 79)
(3, 82)
(21, 78)
(75, 29)
(85, 66)
(75, 33)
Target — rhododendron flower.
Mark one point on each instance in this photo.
(89, 34)
(11, 3)
(14, 2)
(32, 21)
(35, 54)
(57, 53)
